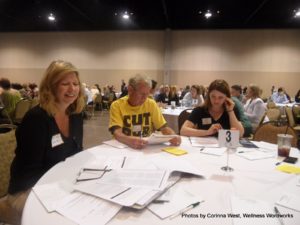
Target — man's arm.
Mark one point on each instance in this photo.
(131, 141)
(166, 131)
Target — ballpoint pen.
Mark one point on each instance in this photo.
(278, 213)
(191, 206)
(123, 163)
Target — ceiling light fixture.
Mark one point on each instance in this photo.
(51, 17)
(297, 13)
(125, 15)
(208, 13)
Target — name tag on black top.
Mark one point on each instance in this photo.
(206, 121)
(56, 140)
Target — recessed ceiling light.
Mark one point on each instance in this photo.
(297, 13)
(51, 17)
(124, 15)
(208, 13)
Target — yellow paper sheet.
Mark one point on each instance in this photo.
(288, 168)
(175, 151)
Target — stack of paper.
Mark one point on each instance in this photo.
(137, 187)
(289, 201)
(253, 154)
(81, 208)
(159, 138)
(172, 202)
(204, 142)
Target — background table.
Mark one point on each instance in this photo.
(171, 116)
(253, 179)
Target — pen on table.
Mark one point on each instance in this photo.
(160, 201)
(123, 162)
(191, 206)
(278, 213)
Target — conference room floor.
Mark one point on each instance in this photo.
(96, 129)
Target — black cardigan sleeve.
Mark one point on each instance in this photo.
(28, 165)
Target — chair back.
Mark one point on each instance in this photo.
(290, 116)
(7, 154)
(271, 105)
(296, 113)
(21, 109)
(268, 132)
(183, 116)
(34, 102)
(273, 114)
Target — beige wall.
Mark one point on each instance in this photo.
(102, 57)
(264, 57)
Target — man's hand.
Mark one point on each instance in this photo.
(175, 141)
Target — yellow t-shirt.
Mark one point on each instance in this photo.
(136, 119)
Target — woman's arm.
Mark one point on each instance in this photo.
(189, 129)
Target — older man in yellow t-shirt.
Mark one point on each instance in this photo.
(136, 115)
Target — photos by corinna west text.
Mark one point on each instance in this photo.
(235, 216)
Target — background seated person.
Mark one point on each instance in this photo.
(135, 115)
(193, 98)
(280, 96)
(218, 112)
(254, 107)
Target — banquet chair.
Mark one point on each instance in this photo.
(273, 114)
(268, 132)
(183, 116)
(7, 153)
(21, 109)
(271, 105)
(291, 119)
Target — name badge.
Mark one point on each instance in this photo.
(206, 121)
(56, 140)
(136, 128)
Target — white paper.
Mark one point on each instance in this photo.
(204, 141)
(247, 206)
(178, 199)
(151, 179)
(145, 200)
(125, 196)
(213, 151)
(289, 201)
(265, 146)
(87, 210)
(159, 138)
(253, 154)
(115, 143)
(177, 164)
(49, 194)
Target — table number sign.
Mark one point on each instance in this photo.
(229, 138)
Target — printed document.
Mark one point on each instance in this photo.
(86, 209)
(159, 138)
(50, 194)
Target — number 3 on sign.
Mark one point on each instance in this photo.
(229, 138)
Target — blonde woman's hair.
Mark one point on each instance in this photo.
(48, 87)
(256, 91)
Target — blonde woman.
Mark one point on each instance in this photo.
(50, 132)
(254, 107)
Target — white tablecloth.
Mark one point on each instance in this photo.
(171, 116)
(254, 179)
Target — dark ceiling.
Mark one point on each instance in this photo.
(93, 15)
